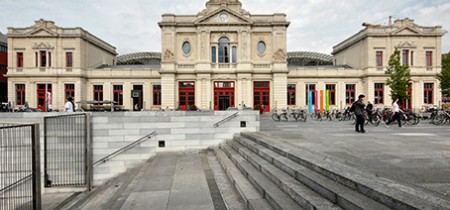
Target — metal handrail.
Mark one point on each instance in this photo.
(124, 149)
(226, 119)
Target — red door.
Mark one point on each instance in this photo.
(261, 97)
(186, 95)
(223, 95)
(43, 99)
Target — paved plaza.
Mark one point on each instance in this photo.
(414, 154)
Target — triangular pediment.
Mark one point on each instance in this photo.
(406, 31)
(42, 32)
(223, 16)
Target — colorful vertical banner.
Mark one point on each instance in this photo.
(321, 101)
(310, 104)
(328, 101)
(316, 105)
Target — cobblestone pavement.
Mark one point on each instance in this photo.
(416, 154)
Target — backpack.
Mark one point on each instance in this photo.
(353, 107)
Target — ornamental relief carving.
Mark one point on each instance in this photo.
(168, 56)
(42, 46)
(279, 55)
(406, 45)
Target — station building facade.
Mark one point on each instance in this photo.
(221, 57)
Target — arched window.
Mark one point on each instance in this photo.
(224, 50)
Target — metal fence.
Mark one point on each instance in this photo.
(20, 186)
(67, 151)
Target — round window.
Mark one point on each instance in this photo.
(186, 48)
(261, 47)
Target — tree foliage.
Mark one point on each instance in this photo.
(399, 77)
(444, 75)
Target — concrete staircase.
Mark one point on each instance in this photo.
(271, 175)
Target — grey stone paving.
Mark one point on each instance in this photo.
(415, 154)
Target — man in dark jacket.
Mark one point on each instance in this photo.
(359, 112)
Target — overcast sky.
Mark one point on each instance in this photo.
(131, 25)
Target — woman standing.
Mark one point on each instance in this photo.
(397, 113)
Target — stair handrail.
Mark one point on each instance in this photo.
(226, 119)
(124, 149)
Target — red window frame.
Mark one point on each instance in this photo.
(186, 96)
(379, 58)
(429, 59)
(69, 90)
(156, 95)
(405, 57)
(20, 94)
(118, 94)
(428, 91)
(69, 59)
(350, 93)
(332, 89)
(378, 93)
(20, 60)
(98, 93)
(291, 94)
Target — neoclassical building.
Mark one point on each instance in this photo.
(221, 57)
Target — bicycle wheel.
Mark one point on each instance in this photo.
(275, 117)
(376, 120)
(339, 116)
(284, 117)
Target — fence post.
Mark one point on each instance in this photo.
(36, 153)
(89, 166)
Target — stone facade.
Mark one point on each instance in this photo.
(224, 57)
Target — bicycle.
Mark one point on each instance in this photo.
(277, 117)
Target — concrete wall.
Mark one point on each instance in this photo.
(179, 130)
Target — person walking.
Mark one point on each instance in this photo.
(69, 107)
(397, 113)
(359, 112)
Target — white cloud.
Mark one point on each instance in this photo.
(316, 25)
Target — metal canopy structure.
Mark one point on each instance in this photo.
(306, 58)
(144, 58)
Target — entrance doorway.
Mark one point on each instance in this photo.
(186, 95)
(44, 97)
(137, 94)
(261, 97)
(223, 95)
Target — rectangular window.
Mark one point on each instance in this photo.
(350, 92)
(311, 87)
(379, 59)
(291, 94)
(428, 89)
(234, 58)
(20, 94)
(332, 89)
(49, 59)
(69, 90)
(379, 93)
(405, 57)
(429, 60)
(118, 94)
(36, 59)
(412, 58)
(69, 61)
(98, 93)
(43, 57)
(156, 95)
(19, 59)
(213, 55)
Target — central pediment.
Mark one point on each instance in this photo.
(223, 16)
(406, 31)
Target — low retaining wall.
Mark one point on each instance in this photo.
(178, 131)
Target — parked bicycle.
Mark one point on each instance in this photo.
(278, 117)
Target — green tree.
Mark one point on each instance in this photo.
(444, 75)
(399, 77)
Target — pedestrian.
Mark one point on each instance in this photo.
(359, 112)
(69, 107)
(397, 113)
(369, 109)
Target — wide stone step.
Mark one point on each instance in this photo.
(300, 193)
(329, 190)
(275, 196)
(252, 198)
(393, 194)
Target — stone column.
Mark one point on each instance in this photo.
(168, 91)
